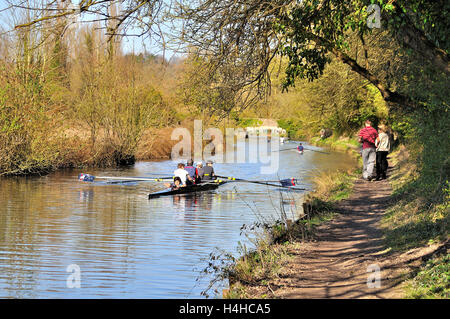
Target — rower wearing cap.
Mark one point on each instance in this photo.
(208, 172)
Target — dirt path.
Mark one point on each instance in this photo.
(346, 253)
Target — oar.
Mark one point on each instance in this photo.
(268, 183)
(90, 178)
(308, 149)
(286, 149)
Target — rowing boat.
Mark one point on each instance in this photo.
(206, 186)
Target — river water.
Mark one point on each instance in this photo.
(126, 246)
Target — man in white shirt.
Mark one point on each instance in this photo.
(183, 175)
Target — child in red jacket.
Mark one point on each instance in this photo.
(368, 136)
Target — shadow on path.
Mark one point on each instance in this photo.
(348, 251)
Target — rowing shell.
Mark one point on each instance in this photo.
(188, 189)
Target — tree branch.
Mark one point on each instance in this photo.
(412, 37)
(388, 95)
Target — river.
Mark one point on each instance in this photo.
(125, 245)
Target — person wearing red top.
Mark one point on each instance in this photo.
(367, 137)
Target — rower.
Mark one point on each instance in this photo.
(208, 172)
(191, 169)
(176, 183)
(182, 174)
(199, 170)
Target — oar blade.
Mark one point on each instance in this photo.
(287, 183)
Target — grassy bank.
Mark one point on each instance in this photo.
(416, 219)
(273, 242)
(343, 144)
(432, 281)
(412, 221)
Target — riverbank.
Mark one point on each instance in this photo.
(341, 144)
(356, 235)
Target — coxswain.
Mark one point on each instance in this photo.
(176, 183)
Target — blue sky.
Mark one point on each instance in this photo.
(129, 44)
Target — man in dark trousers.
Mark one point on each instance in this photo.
(368, 136)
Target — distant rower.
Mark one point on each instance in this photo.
(176, 183)
(300, 148)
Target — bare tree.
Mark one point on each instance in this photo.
(240, 38)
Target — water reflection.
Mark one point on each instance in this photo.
(126, 245)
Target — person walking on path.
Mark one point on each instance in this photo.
(368, 136)
(383, 147)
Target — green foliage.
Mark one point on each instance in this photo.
(339, 100)
(257, 264)
(312, 29)
(420, 211)
(247, 122)
(428, 16)
(420, 231)
(292, 126)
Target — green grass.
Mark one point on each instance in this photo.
(344, 144)
(413, 218)
(333, 187)
(417, 218)
(343, 189)
(414, 231)
(265, 261)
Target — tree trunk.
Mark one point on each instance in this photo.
(388, 95)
